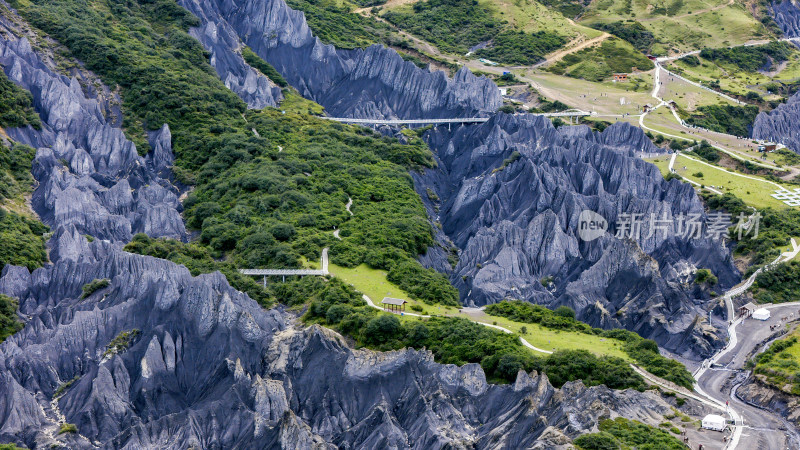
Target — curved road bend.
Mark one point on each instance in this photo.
(761, 429)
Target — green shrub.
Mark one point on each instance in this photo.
(334, 23)
(750, 58)
(707, 152)
(735, 120)
(121, 342)
(15, 171)
(62, 388)
(16, 106)
(67, 428)
(705, 276)
(780, 283)
(521, 48)
(94, 286)
(456, 25)
(9, 323)
(23, 240)
(633, 32)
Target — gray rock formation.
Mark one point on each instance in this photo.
(756, 392)
(781, 124)
(90, 176)
(368, 83)
(787, 15)
(199, 364)
(512, 191)
(518, 225)
(225, 47)
(208, 367)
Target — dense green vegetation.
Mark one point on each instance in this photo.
(633, 32)
(776, 227)
(121, 342)
(9, 323)
(452, 25)
(517, 47)
(15, 171)
(704, 276)
(457, 25)
(335, 23)
(269, 198)
(779, 284)
(751, 58)
(707, 152)
(643, 351)
(779, 365)
(67, 428)
(600, 62)
(94, 286)
(264, 67)
(569, 8)
(16, 108)
(730, 119)
(63, 387)
(22, 236)
(622, 433)
(23, 240)
(452, 340)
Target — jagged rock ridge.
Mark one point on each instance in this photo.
(210, 368)
(787, 15)
(512, 190)
(365, 83)
(780, 124)
(91, 179)
(221, 41)
(204, 365)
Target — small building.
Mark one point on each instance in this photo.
(761, 314)
(714, 422)
(647, 108)
(620, 77)
(768, 147)
(394, 304)
(503, 91)
(747, 310)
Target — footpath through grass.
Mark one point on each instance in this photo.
(753, 190)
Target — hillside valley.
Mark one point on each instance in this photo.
(155, 155)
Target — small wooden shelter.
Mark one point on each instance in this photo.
(747, 310)
(394, 304)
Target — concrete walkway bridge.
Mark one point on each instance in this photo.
(283, 273)
(459, 120)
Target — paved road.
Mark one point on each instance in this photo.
(761, 429)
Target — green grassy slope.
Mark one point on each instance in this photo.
(739, 71)
(682, 25)
(455, 26)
